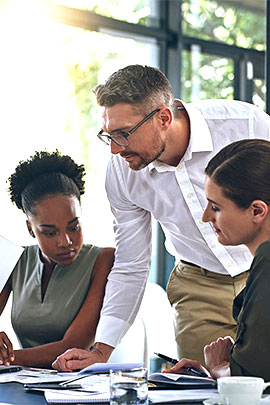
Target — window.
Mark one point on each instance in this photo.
(48, 74)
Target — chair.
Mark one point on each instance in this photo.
(133, 346)
(152, 330)
(157, 315)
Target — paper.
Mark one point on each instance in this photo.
(196, 395)
(155, 397)
(9, 255)
(106, 367)
(103, 368)
(35, 375)
(75, 396)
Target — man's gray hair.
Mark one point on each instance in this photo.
(145, 87)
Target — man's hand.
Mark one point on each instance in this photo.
(76, 359)
(217, 356)
(179, 368)
(6, 350)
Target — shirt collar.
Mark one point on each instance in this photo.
(200, 138)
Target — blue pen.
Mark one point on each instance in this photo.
(192, 370)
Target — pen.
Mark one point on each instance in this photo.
(193, 370)
(11, 369)
(163, 357)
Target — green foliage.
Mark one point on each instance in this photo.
(213, 20)
(85, 79)
(216, 21)
(215, 76)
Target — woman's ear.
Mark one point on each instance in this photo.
(30, 230)
(259, 210)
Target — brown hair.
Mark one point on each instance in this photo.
(242, 169)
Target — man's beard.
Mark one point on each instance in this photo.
(147, 158)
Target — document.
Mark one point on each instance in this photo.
(101, 368)
(9, 255)
(178, 396)
(181, 381)
(29, 375)
(106, 367)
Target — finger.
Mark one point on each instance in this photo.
(60, 365)
(229, 339)
(9, 348)
(4, 356)
(60, 362)
(79, 364)
(179, 367)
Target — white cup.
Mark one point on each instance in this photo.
(241, 390)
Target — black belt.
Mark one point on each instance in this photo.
(190, 264)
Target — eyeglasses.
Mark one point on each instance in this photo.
(121, 139)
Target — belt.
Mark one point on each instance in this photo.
(190, 264)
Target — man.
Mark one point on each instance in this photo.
(160, 147)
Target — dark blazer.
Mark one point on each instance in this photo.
(250, 354)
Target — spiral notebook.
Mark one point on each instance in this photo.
(68, 396)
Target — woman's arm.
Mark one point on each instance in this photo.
(216, 356)
(6, 349)
(81, 332)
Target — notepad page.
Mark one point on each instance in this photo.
(68, 396)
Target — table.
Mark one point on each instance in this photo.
(14, 394)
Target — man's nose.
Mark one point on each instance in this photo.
(116, 148)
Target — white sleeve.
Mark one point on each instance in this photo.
(261, 124)
(127, 279)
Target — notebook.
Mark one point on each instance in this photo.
(180, 381)
(68, 396)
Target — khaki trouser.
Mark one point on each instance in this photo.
(202, 302)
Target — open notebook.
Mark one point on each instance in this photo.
(180, 381)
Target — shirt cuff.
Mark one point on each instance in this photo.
(111, 330)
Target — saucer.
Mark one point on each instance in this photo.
(216, 400)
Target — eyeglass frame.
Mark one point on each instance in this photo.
(101, 135)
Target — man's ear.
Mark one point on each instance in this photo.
(259, 210)
(165, 115)
(30, 230)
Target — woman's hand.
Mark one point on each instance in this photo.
(6, 350)
(179, 368)
(217, 356)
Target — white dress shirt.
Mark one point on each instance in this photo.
(175, 197)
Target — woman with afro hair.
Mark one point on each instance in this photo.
(58, 284)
